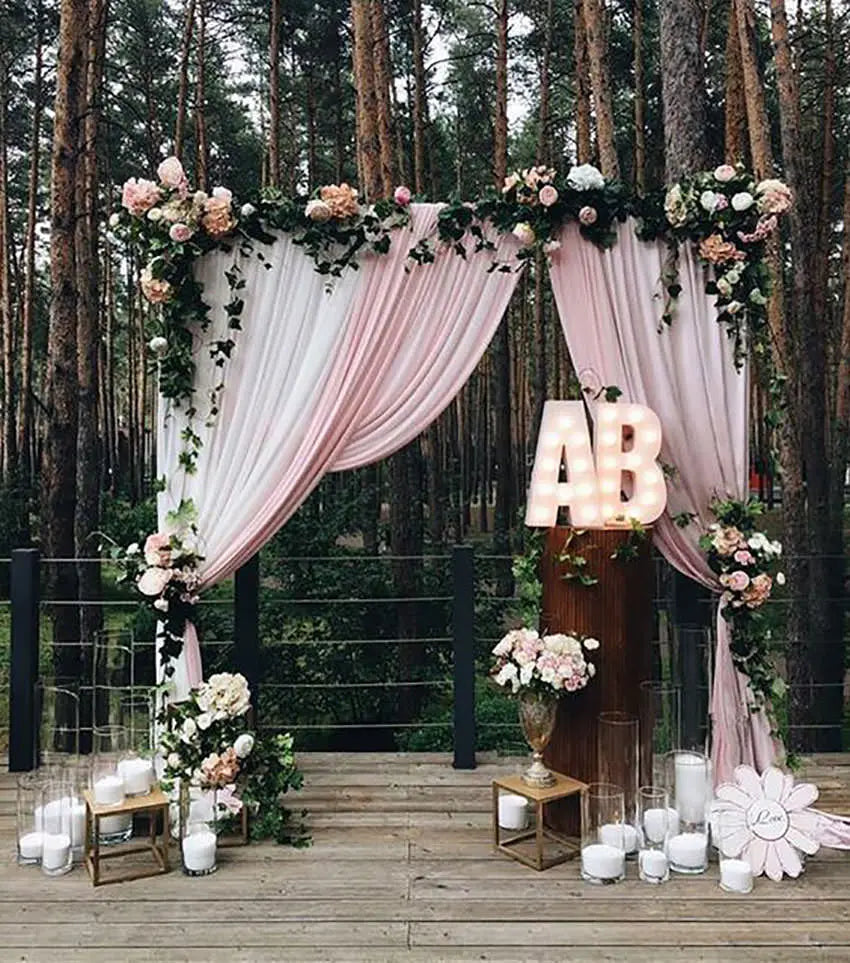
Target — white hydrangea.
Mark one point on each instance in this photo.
(585, 177)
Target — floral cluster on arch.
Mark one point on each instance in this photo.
(556, 663)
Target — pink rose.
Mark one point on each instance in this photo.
(222, 194)
(774, 196)
(724, 173)
(171, 174)
(738, 581)
(401, 195)
(180, 232)
(158, 549)
(139, 195)
(152, 581)
(743, 557)
(156, 290)
(722, 202)
(548, 195)
(588, 215)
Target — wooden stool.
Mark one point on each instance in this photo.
(155, 804)
(564, 788)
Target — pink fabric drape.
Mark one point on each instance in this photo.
(609, 303)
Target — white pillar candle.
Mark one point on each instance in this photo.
(30, 845)
(56, 851)
(687, 852)
(736, 876)
(656, 824)
(199, 851)
(601, 861)
(76, 823)
(615, 834)
(513, 811)
(691, 787)
(652, 864)
(109, 791)
(137, 775)
(49, 817)
(115, 825)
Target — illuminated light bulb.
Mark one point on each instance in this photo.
(608, 414)
(544, 488)
(584, 490)
(651, 477)
(608, 438)
(609, 461)
(565, 421)
(565, 492)
(580, 464)
(650, 436)
(541, 514)
(548, 464)
(632, 459)
(648, 498)
(608, 487)
(551, 438)
(577, 440)
(635, 415)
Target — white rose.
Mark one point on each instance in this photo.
(743, 201)
(733, 307)
(152, 581)
(780, 578)
(173, 760)
(591, 644)
(222, 194)
(158, 346)
(585, 177)
(247, 210)
(724, 173)
(525, 673)
(170, 172)
(114, 219)
(188, 730)
(708, 201)
(777, 548)
(506, 674)
(504, 646)
(155, 214)
(724, 287)
(161, 605)
(199, 197)
(204, 720)
(243, 745)
(524, 233)
(133, 548)
(317, 210)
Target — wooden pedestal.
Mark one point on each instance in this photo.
(617, 610)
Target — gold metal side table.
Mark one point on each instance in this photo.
(569, 847)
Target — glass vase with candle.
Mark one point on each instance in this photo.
(660, 727)
(618, 754)
(603, 842)
(198, 837)
(30, 834)
(56, 853)
(688, 782)
(731, 834)
(110, 749)
(654, 825)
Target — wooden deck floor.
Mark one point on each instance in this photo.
(401, 868)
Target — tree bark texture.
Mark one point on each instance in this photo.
(183, 77)
(274, 94)
(596, 22)
(584, 139)
(735, 114)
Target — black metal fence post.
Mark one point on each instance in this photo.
(246, 625)
(23, 672)
(463, 627)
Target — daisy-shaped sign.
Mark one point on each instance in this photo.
(775, 822)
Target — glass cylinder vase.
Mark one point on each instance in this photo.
(57, 708)
(57, 851)
(198, 839)
(107, 782)
(660, 727)
(537, 714)
(731, 834)
(29, 832)
(654, 826)
(618, 755)
(603, 855)
(688, 783)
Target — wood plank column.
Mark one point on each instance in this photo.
(617, 610)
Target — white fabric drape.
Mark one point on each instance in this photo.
(609, 303)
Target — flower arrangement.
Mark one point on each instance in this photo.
(745, 561)
(550, 663)
(205, 740)
(165, 573)
(729, 217)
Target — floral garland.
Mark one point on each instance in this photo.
(744, 559)
(165, 574)
(525, 661)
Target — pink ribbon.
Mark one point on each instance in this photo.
(192, 653)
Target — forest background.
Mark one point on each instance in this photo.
(445, 96)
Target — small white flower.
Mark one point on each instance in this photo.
(591, 669)
(508, 673)
(524, 233)
(742, 201)
(158, 346)
(161, 605)
(155, 214)
(591, 644)
(525, 673)
(708, 201)
(551, 246)
(724, 287)
(133, 548)
(733, 307)
(114, 219)
(777, 548)
(247, 210)
(173, 760)
(188, 730)
(199, 197)
(204, 720)
(243, 745)
(780, 578)
(756, 297)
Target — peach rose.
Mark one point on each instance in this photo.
(341, 199)
(717, 251)
(171, 174)
(154, 289)
(774, 196)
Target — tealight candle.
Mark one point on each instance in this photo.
(56, 853)
(199, 851)
(736, 876)
(109, 790)
(653, 866)
(137, 775)
(614, 834)
(687, 852)
(513, 811)
(30, 846)
(602, 863)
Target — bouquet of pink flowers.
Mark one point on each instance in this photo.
(526, 660)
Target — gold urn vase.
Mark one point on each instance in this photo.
(537, 712)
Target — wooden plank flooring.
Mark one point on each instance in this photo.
(401, 869)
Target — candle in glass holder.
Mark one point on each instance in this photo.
(137, 774)
(109, 790)
(56, 853)
(653, 866)
(199, 851)
(656, 823)
(30, 846)
(736, 876)
(614, 834)
(688, 852)
(691, 786)
(602, 863)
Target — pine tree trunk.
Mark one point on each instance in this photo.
(640, 99)
(274, 94)
(201, 145)
(500, 109)
(60, 462)
(683, 88)
(368, 143)
(8, 463)
(596, 22)
(584, 141)
(183, 73)
(735, 117)
(382, 81)
(419, 99)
